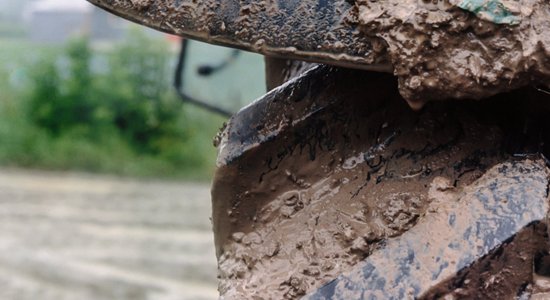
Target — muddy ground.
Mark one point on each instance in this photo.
(67, 236)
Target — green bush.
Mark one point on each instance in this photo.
(122, 119)
(59, 103)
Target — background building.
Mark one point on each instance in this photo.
(55, 21)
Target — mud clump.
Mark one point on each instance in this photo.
(440, 50)
(401, 210)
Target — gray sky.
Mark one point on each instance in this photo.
(13, 5)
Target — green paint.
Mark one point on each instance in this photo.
(490, 10)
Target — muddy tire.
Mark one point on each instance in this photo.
(331, 187)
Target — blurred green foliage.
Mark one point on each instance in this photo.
(123, 119)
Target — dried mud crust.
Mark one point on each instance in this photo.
(299, 209)
(441, 51)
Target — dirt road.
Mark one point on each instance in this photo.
(67, 236)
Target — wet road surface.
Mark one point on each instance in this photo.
(67, 236)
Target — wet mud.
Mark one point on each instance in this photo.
(324, 170)
(307, 30)
(506, 273)
(477, 242)
(442, 51)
